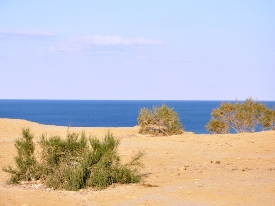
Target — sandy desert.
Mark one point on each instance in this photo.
(187, 169)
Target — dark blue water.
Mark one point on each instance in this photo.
(194, 115)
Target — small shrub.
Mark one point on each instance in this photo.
(74, 163)
(161, 120)
(241, 117)
(27, 167)
(107, 168)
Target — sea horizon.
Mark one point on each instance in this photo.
(193, 114)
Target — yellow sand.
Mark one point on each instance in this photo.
(188, 169)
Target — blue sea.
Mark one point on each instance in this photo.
(194, 115)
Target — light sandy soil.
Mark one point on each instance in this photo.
(187, 169)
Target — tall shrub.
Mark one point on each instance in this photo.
(241, 117)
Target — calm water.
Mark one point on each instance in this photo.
(194, 115)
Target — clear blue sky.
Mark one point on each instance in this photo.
(137, 50)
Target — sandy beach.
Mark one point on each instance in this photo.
(187, 169)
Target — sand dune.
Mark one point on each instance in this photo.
(187, 169)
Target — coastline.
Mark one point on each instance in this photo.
(188, 169)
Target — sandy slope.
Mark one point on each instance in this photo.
(187, 169)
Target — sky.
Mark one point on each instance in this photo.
(137, 50)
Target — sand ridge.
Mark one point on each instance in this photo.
(187, 169)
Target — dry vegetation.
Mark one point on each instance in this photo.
(249, 116)
(159, 121)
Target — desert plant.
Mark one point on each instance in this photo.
(267, 120)
(61, 161)
(74, 162)
(241, 117)
(56, 150)
(106, 167)
(163, 120)
(27, 167)
(217, 127)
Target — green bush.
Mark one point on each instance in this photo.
(27, 167)
(73, 163)
(241, 117)
(159, 121)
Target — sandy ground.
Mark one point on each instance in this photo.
(187, 169)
